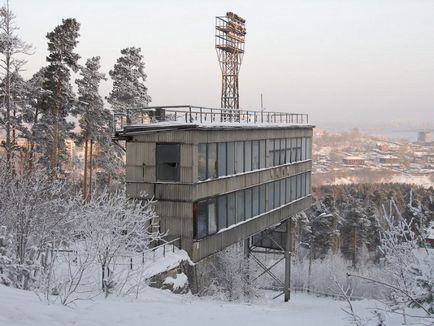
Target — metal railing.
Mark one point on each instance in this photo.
(202, 115)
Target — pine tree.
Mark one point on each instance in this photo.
(129, 93)
(12, 47)
(95, 119)
(61, 43)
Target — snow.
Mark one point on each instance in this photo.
(161, 307)
(178, 282)
(162, 262)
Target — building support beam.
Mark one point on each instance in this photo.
(288, 250)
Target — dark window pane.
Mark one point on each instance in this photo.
(293, 188)
(167, 158)
(309, 184)
(221, 166)
(231, 209)
(270, 196)
(262, 198)
(303, 184)
(240, 206)
(248, 201)
(201, 220)
(299, 186)
(255, 154)
(212, 161)
(288, 150)
(202, 161)
(239, 157)
(255, 201)
(282, 151)
(282, 192)
(293, 150)
(298, 149)
(212, 216)
(288, 190)
(276, 152)
(222, 212)
(276, 194)
(262, 154)
(270, 161)
(231, 158)
(248, 156)
(303, 148)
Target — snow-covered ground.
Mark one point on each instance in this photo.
(161, 307)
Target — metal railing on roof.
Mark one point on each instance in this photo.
(186, 114)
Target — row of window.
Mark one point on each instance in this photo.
(228, 158)
(214, 214)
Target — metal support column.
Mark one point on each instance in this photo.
(288, 249)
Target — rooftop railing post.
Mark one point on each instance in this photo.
(200, 112)
(189, 110)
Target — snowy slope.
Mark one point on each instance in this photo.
(159, 307)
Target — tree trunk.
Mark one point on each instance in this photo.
(85, 170)
(56, 114)
(90, 168)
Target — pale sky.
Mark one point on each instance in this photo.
(347, 61)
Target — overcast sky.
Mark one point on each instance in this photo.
(346, 61)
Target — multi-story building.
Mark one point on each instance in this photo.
(219, 178)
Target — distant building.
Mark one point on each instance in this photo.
(383, 147)
(424, 137)
(354, 160)
(389, 160)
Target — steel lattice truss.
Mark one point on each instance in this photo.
(229, 43)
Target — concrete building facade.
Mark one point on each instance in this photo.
(219, 184)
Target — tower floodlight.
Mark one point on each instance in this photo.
(229, 43)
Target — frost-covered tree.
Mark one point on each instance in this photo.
(12, 47)
(113, 225)
(94, 118)
(129, 93)
(58, 104)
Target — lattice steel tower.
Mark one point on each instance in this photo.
(229, 44)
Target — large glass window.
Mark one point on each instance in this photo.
(221, 154)
(222, 212)
(201, 224)
(270, 161)
(262, 198)
(239, 157)
(231, 208)
(293, 188)
(303, 148)
(231, 158)
(276, 152)
(255, 154)
(282, 192)
(293, 150)
(299, 180)
(212, 216)
(240, 206)
(276, 194)
(298, 149)
(255, 201)
(282, 151)
(262, 154)
(202, 161)
(288, 150)
(212, 161)
(248, 156)
(288, 190)
(270, 196)
(248, 201)
(168, 158)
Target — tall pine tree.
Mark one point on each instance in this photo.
(61, 44)
(129, 93)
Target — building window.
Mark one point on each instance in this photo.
(167, 158)
(221, 154)
(282, 151)
(262, 154)
(255, 201)
(303, 149)
(222, 212)
(288, 150)
(255, 154)
(231, 158)
(201, 219)
(239, 157)
(240, 206)
(202, 161)
(212, 161)
(276, 194)
(212, 216)
(248, 201)
(270, 196)
(248, 156)
(231, 208)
